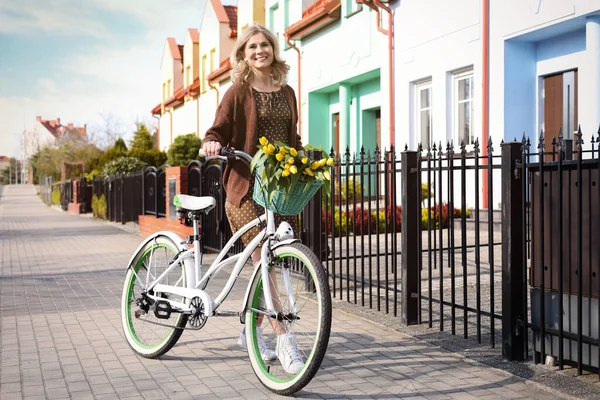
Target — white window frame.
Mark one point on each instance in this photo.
(470, 101)
(419, 108)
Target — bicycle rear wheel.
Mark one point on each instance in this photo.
(147, 334)
(305, 313)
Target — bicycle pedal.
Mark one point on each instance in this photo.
(162, 309)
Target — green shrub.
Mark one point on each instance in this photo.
(379, 221)
(426, 191)
(99, 206)
(351, 188)
(56, 196)
(427, 214)
(122, 166)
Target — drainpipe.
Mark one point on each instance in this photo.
(210, 85)
(485, 70)
(390, 34)
(287, 39)
(198, 115)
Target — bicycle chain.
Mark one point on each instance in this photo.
(193, 328)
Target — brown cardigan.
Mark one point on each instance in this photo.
(236, 125)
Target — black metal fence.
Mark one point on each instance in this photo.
(406, 233)
(154, 191)
(207, 180)
(554, 199)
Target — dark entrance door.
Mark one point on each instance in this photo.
(560, 108)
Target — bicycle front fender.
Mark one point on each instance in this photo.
(179, 242)
(256, 272)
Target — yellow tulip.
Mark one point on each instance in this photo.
(327, 175)
(283, 150)
(286, 172)
(266, 149)
(304, 160)
(322, 162)
(314, 165)
(294, 169)
(308, 172)
(279, 157)
(286, 166)
(270, 149)
(263, 141)
(293, 152)
(291, 161)
(330, 162)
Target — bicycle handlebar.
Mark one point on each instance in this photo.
(227, 153)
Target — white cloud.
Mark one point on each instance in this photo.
(59, 17)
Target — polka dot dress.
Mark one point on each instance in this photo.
(274, 119)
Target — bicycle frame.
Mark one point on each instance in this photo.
(196, 282)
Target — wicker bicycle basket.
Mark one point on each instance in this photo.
(299, 196)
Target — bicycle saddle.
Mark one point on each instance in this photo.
(193, 203)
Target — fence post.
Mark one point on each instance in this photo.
(411, 231)
(513, 326)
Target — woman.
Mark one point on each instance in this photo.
(259, 103)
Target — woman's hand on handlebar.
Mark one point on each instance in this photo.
(211, 148)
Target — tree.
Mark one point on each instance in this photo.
(142, 139)
(118, 150)
(104, 133)
(48, 161)
(184, 149)
(141, 147)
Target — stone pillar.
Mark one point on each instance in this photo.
(176, 179)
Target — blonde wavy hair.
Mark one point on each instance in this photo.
(242, 72)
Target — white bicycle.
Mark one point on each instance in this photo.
(165, 292)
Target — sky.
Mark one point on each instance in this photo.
(85, 61)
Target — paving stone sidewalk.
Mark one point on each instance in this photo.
(61, 278)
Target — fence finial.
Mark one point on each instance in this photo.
(419, 148)
(579, 140)
(490, 145)
(406, 147)
(476, 146)
(541, 142)
(561, 140)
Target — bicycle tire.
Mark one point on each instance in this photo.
(311, 329)
(147, 335)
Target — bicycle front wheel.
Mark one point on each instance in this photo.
(149, 333)
(300, 293)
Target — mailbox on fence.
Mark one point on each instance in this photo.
(564, 259)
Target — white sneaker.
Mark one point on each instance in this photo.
(288, 354)
(265, 351)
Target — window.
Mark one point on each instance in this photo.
(164, 92)
(352, 7)
(424, 108)
(464, 108)
(212, 60)
(169, 88)
(204, 74)
(187, 76)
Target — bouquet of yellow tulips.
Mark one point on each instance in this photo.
(286, 178)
